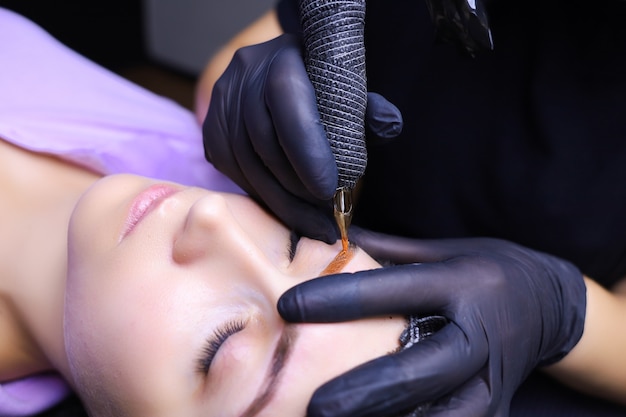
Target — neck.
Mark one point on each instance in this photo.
(38, 194)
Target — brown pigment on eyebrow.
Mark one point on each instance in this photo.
(341, 260)
(281, 354)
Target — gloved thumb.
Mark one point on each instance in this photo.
(383, 120)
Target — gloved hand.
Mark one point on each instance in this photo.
(509, 308)
(462, 22)
(263, 130)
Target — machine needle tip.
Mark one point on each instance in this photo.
(342, 208)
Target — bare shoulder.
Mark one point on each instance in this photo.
(23, 172)
(33, 188)
(14, 362)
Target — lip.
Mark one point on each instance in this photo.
(144, 203)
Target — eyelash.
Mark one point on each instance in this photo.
(215, 342)
(294, 238)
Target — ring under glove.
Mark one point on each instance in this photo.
(263, 130)
(509, 308)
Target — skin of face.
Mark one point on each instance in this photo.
(146, 290)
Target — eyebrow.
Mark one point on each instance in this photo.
(279, 359)
(341, 260)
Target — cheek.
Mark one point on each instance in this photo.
(264, 230)
(327, 350)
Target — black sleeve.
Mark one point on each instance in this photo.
(289, 16)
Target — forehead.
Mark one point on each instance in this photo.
(140, 338)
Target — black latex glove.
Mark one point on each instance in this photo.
(510, 309)
(462, 22)
(263, 131)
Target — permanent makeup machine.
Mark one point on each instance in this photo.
(335, 61)
(334, 47)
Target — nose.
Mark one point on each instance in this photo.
(214, 239)
(201, 231)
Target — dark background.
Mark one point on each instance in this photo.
(110, 33)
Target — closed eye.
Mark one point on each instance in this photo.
(215, 342)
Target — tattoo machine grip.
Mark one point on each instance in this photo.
(334, 57)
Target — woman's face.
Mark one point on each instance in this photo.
(171, 305)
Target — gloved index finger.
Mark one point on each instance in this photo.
(404, 289)
(290, 98)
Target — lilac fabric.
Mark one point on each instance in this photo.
(29, 396)
(52, 100)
